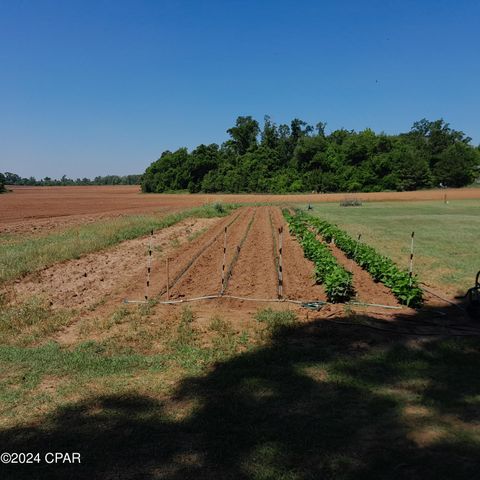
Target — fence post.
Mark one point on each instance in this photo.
(149, 265)
(280, 262)
(224, 260)
(410, 268)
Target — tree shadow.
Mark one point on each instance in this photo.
(322, 400)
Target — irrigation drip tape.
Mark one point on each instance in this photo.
(362, 304)
(311, 304)
(237, 253)
(192, 261)
(447, 330)
(425, 287)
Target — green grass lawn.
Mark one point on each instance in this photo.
(307, 401)
(447, 252)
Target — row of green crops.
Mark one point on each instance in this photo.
(336, 280)
(381, 268)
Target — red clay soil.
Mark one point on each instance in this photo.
(254, 274)
(46, 208)
(367, 290)
(204, 277)
(82, 283)
(298, 271)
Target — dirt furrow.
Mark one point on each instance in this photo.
(83, 283)
(179, 258)
(367, 290)
(298, 271)
(204, 277)
(254, 274)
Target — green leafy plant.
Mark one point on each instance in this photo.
(381, 268)
(336, 280)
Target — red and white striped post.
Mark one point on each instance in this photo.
(410, 268)
(149, 265)
(224, 260)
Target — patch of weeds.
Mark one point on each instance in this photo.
(196, 234)
(185, 335)
(29, 321)
(175, 242)
(219, 208)
(119, 315)
(225, 341)
(145, 309)
(213, 210)
(220, 326)
(244, 338)
(276, 321)
(97, 304)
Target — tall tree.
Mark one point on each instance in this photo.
(270, 135)
(244, 134)
(457, 166)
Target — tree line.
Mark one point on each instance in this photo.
(9, 178)
(300, 157)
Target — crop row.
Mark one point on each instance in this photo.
(381, 268)
(336, 280)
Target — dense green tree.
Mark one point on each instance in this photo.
(244, 134)
(14, 179)
(410, 168)
(2, 182)
(270, 135)
(297, 157)
(457, 165)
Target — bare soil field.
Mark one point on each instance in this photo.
(38, 209)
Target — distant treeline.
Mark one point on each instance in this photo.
(13, 179)
(299, 157)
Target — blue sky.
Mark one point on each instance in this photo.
(103, 87)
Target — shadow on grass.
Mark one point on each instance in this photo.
(320, 401)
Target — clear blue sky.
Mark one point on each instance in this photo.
(96, 87)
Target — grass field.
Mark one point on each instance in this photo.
(446, 236)
(285, 401)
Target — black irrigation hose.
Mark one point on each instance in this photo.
(192, 261)
(237, 253)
